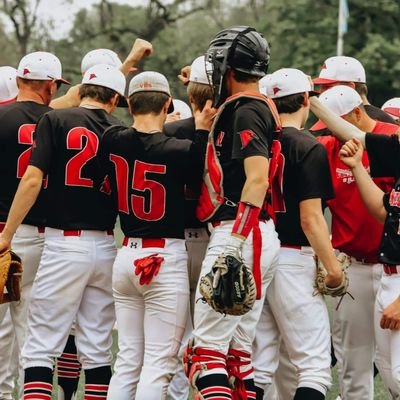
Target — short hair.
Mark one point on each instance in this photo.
(200, 93)
(34, 84)
(98, 93)
(147, 102)
(244, 78)
(361, 88)
(290, 104)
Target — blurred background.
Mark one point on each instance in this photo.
(302, 33)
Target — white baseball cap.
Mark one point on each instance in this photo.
(392, 107)
(341, 100)
(41, 66)
(285, 82)
(100, 56)
(181, 107)
(8, 85)
(341, 69)
(150, 81)
(109, 77)
(198, 72)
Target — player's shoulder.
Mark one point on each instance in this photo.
(181, 129)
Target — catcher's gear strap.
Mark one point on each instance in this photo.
(201, 359)
(246, 219)
(212, 192)
(238, 365)
(148, 267)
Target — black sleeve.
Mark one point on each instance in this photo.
(383, 154)
(313, 175)
(44, 143)
(252, 131)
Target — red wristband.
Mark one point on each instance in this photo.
(246, 219)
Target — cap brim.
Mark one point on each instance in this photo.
(319, 125)
(64, 81)
(324, 81)
(171, 107)
(313, 93)
(122, 102)
(392, 111)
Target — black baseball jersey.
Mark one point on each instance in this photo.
(66, 144)
(306, 176)
(147, 175)
(384, 157)
(243, 131)
(185, 129)
(378, 114)
(18, 122)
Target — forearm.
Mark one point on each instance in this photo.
(25, 197)
(254, 191)
(340, 128)
(317, 233)
(370, 193)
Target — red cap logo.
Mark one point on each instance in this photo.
(26, 71)
(92, 76)
(276, 90)
(146, 85)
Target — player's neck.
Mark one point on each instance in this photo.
(294, 120)
(93, 104)
(149, 123)
(237, 87)
(30, 95)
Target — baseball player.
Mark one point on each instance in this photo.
(242, 136)
(343, 70)
(300, 316)
(354, 351)
(392, 107)
(147, 172)
(383, 153)
(38, 77)
(9, 349)
(74, 275)
(196, 232)
(68, 366)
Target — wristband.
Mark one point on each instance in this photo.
(246, 219)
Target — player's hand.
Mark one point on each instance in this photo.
(184, 75)
(351, 153)
(391, 316)
(139, 49)
(5, 242)
(334, 278)
(176, 116)
(204, 119)
(72, 96)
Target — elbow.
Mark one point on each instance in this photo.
(259, 183)
(31, 182)
(308, 222)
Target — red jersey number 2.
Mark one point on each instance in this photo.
(155, 208)
(75, 141)
(25, 136)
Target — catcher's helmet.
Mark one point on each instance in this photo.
(241, 48)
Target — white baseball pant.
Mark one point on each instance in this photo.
(8, 358)
(221, 332)
(353, 332)
(28, 244)
(196, 240)
(73, 282)
(302, 320)
(151, 320)
(387, 340)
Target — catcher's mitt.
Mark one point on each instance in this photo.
(229, 287)
(10, 276)
(320, 286)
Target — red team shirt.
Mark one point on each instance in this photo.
(354, 230)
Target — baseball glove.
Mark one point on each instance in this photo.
(320, 286)
(10, 276)
(229, 287)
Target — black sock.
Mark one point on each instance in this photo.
(68, 369)
(97, 381)
(38, 381)
(304, 393)
(215, 385)
(251, 389)
(259, 393)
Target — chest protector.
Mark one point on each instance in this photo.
(212, 191)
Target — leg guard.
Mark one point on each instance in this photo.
(198, 360)
(239, 368)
